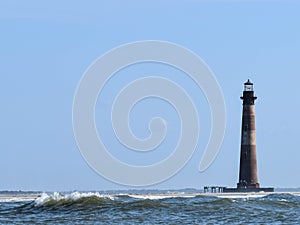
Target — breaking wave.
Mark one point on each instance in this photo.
(73, 198)
(57, 198)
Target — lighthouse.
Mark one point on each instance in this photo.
(248, 164)
(248, 178)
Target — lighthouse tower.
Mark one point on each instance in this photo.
(248, 179)
(248, 165)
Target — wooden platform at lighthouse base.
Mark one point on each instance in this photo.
(245, 190)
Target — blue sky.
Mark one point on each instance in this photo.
(46, 47)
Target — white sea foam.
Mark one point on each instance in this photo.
(254, 195)
(161, 196)
(242, 196)
(16, 199)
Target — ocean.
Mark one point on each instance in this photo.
(148, 207)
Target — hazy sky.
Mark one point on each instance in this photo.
(46, 47)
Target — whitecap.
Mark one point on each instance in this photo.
(241, 196)
(56, 196)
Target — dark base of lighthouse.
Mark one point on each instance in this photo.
(222, 189)
(245, 190)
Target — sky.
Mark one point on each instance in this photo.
(46, 46)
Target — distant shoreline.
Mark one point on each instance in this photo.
(112, 191)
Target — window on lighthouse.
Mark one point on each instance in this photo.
(248, 86)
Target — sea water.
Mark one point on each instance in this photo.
(148, 207)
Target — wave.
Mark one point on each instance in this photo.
(57, 198)
(75, 197)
